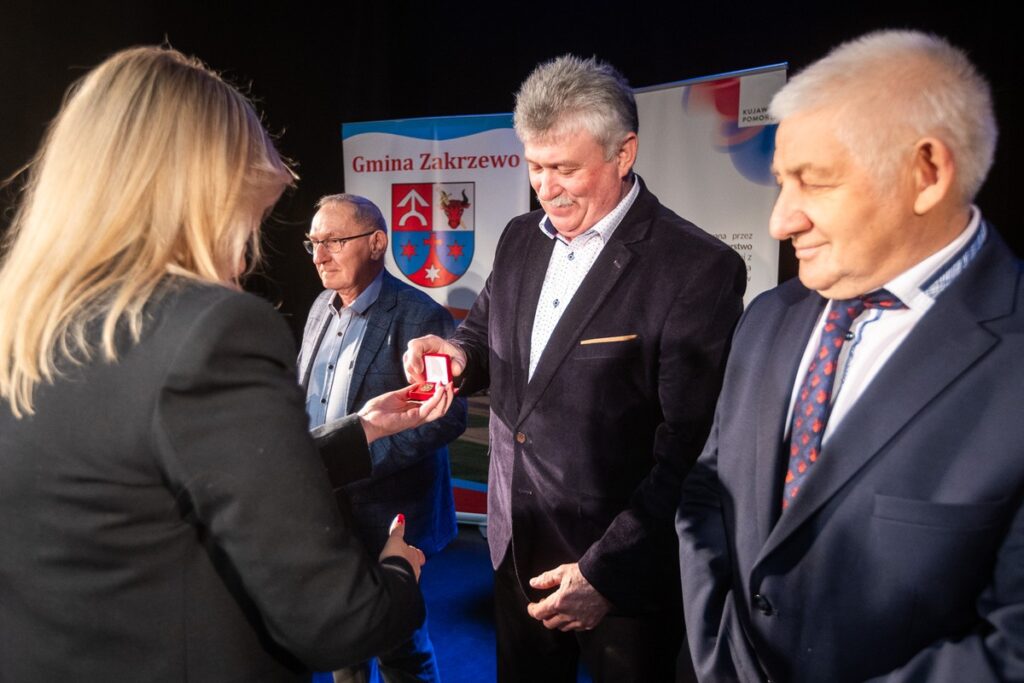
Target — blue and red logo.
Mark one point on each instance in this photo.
(432, 230)
(750, 148)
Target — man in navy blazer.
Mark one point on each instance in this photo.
(601, 333)
(856, 513)
(351, 351)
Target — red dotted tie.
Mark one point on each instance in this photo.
(813, 403)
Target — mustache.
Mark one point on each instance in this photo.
(559, 202)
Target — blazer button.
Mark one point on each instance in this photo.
(762, 605)
(520, 437)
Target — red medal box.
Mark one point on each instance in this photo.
(438, 367)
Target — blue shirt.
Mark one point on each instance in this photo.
(331, 371)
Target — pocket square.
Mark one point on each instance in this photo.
(608, 340)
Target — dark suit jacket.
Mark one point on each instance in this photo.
(587, 457)
(410, 471)
(167, 518)
(903, 556)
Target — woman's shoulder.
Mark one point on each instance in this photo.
(185, 300)
(185, 296)
(185, 311)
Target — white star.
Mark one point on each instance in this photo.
(433, 273)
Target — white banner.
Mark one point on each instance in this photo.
(447, 187)
(706, 148)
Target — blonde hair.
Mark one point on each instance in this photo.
(153, 167)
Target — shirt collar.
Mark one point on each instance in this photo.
(931, 275)
(366, 298)
(604, 227)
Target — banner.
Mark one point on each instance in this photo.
(705, 150)
(447, 187)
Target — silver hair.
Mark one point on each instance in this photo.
(890, 87)
(569, 93)
(366, 212)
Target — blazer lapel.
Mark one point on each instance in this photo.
(310, 347)
(776, 391)
(943, 345)
(531, 280)
(378, 323)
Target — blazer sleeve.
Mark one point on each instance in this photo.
(397, 452)
(343, 450)
(232, 442)
(694, 344)
(719, 647)
(472, 335)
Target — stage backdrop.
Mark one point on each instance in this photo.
(706, 148)
(447, 187)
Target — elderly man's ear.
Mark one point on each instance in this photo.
(378, 245)
(934, 172)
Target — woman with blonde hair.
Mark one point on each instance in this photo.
(166, 515)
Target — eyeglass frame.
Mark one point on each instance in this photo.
(311, 244)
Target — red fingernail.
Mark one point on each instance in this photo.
(401, 518)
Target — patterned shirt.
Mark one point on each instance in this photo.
(570, 262)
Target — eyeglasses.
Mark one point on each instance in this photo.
(331, 244)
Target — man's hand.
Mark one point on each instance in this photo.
(575, 606)
(413, 357)
(392, 412)
(397, 547)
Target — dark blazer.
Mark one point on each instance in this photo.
(167, 518)
(587, 457)
(410, 471)
(903, 556)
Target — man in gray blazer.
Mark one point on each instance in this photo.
(856, 513)
(351, 351)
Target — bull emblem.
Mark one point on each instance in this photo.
(454, 208)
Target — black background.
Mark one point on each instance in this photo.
(312, 67)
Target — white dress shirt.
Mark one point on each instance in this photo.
(570, 262)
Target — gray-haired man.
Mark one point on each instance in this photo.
(856, 514)
(351, 350)
(601, 333)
